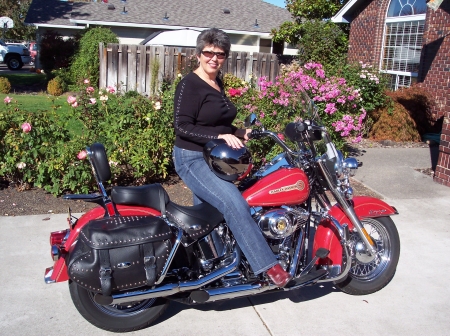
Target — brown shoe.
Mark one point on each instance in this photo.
(279, 276)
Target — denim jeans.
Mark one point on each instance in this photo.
(195, 173)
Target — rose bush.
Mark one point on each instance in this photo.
(38, 148)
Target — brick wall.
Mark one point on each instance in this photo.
(366, 32)
(365, 44)
(434, 74)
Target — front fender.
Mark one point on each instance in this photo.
(59, 273)
(327, 235)
(365, 207)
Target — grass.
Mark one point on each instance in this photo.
(44, 102)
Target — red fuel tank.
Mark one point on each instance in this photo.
(286, 186)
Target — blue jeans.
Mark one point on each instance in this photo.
(223, 195)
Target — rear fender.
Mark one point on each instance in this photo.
(59, 273)
(327, 235)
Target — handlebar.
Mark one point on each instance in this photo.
(257, 134)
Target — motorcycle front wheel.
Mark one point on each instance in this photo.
(370, 273)
(117, 318)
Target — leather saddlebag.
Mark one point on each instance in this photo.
(119, 253)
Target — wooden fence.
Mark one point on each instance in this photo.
(143, 68)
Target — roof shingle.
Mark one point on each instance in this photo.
(182, 13)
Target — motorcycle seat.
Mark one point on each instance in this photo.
(147, 195)
(196, 221)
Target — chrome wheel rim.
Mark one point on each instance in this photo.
(124, 309)
(377, 263)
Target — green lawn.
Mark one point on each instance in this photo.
(43, 102)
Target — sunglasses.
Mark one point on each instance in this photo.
(210, 54)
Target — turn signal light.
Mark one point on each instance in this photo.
(55, 252)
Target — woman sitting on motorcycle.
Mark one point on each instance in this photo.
(202, 112)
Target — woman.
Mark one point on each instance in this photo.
(202, 112)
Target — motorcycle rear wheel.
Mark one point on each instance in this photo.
(117, 318)
(374, 273)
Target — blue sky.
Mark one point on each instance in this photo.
(279, 3)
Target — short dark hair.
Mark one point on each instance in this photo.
(213, 36)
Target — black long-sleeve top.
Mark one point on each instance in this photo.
(201, 113)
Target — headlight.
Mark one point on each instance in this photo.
(350, 165)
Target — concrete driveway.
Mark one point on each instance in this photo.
(416, 302)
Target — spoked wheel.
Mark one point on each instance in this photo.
(117, 318)
(370, 273)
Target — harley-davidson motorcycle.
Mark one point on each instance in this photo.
(126, 259)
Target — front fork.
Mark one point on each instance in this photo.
(348, 210)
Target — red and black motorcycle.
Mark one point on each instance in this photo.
(128, 258)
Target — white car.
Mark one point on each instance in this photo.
(14, 55)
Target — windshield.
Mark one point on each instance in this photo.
(305, 109)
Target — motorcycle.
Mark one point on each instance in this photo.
(126, 259)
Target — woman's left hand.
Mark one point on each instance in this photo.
(243, 134)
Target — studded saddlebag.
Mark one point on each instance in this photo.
(120, 253)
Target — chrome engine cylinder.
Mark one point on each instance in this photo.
(281, 223)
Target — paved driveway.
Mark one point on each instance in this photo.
(416, 302)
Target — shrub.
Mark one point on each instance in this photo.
(56, 86)
(340, 105)
(5, 85)
(323, 42)
(56, 52)
(408, 118)
(371, 83)
(30, 147)
(86, 63)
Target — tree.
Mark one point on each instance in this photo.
(317, 38)
(56, 52)
(17, 11)
(86, 63)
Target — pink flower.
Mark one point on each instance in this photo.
(26, 127)
(82, 155)
(7, 100)
(111, 89)
(90, 89)
(71, 99)
(92, 101)
(234, 92)
(75, 104)
(281, 136)
(86, 81)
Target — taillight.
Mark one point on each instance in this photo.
(57, 237)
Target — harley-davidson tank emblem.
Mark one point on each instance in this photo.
(299, 185)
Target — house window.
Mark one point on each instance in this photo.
(403, 36)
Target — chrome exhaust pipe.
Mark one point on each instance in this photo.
(216, 294)
(171, 289)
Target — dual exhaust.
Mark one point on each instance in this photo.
(198, 296)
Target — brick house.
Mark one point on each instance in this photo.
(410, 41)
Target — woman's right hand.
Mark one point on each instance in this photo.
(231, 140)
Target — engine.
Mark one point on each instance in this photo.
(278, 224)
